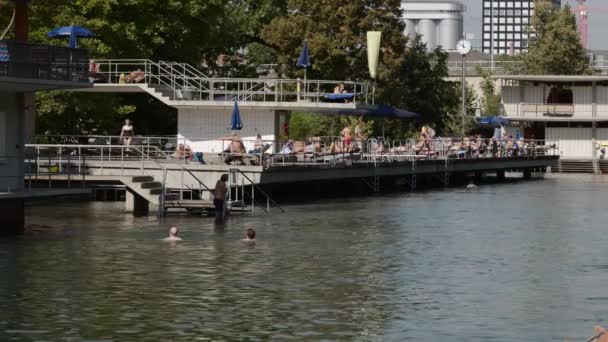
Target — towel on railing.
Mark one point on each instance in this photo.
(4, 55)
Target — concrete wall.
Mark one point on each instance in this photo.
(573, 142)
(201, 128)
(11, 142)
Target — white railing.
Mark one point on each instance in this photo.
(182, 82)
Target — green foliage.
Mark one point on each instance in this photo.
(63, 113)
(408, 76)
(192, 31)
(419, 84)
(453, 122)
(557, 49)
(337, 36)
(306, 125)
(490, 100)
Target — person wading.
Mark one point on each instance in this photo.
(219, 198)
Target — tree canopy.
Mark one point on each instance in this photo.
(556, 49)
(254, 31)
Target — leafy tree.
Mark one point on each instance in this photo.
(420, 84)
(408, 75)
(557, 49)
(453, 120)
(337, 36)
(192, 31)
(490, 100)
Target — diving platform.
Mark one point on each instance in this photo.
(180, 85)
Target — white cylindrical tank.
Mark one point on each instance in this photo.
(450, 32)
(428, 30)
(439, 22)
(410, 27)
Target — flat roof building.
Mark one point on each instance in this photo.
(440, 23)
(506, 25)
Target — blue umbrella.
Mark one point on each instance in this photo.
(235, 123)
(73, 32)
(304, 60)
(494, 121)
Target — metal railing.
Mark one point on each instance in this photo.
(40, 168)
(43, 62)
(246, 181)
(316, 151)
(538, 110)
(182, 82)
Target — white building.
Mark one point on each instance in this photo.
(440, 23)
(571, 111)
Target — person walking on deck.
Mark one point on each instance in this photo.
(219, 198)
(127, 133)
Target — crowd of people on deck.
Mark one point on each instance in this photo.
(353, 142)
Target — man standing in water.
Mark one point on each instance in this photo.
(219, 198)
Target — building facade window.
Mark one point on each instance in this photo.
(508, 22)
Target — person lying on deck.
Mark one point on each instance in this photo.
(135, 76)
(288, 148)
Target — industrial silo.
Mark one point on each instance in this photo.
(450, 32)
(440, 23)
(410, 27)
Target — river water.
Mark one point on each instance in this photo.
(525, 261)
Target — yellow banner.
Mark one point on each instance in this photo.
(373, 52)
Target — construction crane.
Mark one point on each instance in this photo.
(582, 18)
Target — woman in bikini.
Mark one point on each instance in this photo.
(126, 135)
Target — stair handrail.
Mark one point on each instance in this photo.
(165, 171)
(257, 187)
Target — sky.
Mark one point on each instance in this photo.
(598, 21)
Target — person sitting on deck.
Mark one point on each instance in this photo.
(236, 149)
(258, 145)
(250, 237)
(173, 234)
(339, 89)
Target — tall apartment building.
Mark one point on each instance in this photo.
(506, 25)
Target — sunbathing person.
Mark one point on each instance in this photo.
(314, 147)
(288, 148)
(135, 76)
(235, 149)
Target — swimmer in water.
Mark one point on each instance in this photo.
(471, 186)
(250, 238)
(173, 232)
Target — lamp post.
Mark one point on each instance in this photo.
(464, 47)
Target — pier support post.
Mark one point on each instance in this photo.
(500, 175)
(12, 220)
(135, 203)
(527, 174)
(478, 177)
